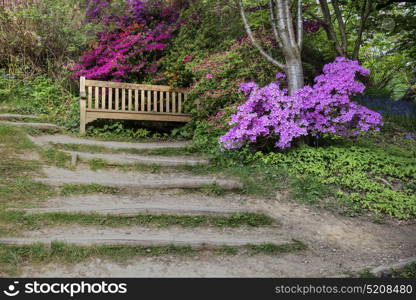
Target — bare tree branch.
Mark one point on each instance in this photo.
(329, 27)
(289, 23)
(365, 13)
(300, 25)
(282, 25)
(313, 16)
(341, 25)
(274, 23)
(253, 40)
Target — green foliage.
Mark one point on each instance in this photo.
(309, 190)
(43, 37)
(376, 173)
(408, 272)
(391, 74)
(15, 173)
(369, 178)
(42, 96)
(218, 76)
(124, 131)
(210, 26)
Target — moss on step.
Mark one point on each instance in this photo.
(12, 258)
(21, 221)
(84, 189)
(101, 149)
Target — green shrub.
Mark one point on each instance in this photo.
(369, 178)
(42, 96)
(43, 37)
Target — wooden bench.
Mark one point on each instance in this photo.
(126, 101)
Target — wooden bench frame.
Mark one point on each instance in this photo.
(131, 102)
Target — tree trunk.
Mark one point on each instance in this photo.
(294, 73)
(289, 42)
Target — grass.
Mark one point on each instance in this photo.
(96, 164)
(101, 149)
(16, 184)
(12, 258)
(36, 131)
(273, 249)
(57, 158)
(213, 190)
(21, 221)
(83, 189)
(408, 271)
(256, 180)
(308, 190)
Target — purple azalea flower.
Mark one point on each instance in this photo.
(324, 107)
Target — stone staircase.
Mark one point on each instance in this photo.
(23, 121)
(335, 245)
(170, 192)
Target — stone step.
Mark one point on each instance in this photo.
(134, 180)
(41, 126)
(198, 238)
(152, 198)
(171, 161)
(151, 241)
(65, 139)
(134, 210)
(8, 116)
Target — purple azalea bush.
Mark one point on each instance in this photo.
(324, 107)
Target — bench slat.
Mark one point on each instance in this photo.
(149, 100)
(179, 102)
(155, 101)
(142, 101)
(130, 100)
(97, 92)
(161, 101)
(103, 99)
(117, 99)
(123, 99)
(173, 102)
(90, 97)
(167, 101)
(136, 100)
(110, 98)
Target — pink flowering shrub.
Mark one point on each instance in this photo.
(324, 107)
(133, 44)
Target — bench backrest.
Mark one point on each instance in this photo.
(128, 97)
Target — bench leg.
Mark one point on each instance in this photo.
(83, 115)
